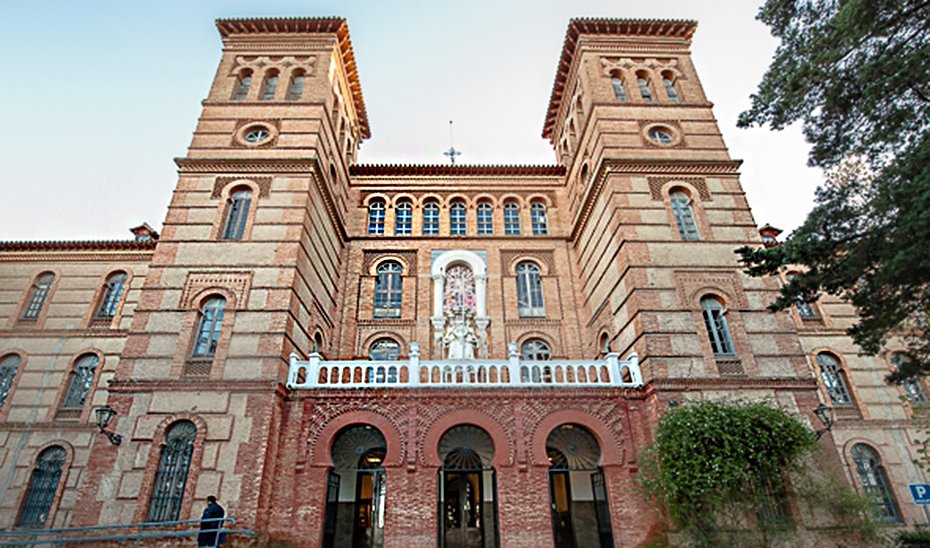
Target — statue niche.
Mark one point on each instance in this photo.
(459, 340)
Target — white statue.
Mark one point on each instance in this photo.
(460, 340)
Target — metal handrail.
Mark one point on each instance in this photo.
(61, 540)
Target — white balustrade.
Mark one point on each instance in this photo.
(414, 373)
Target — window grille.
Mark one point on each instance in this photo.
(242, 87)
(209, 327)
(296, 89)
(915, 394)
(511, 219)
(684, 216)
(833, 379)
(403, 225)
(388, 290)
(539, 219)
(237, 214)
(271, 84)
(644, 90)
(485, 219)
(384, 350)
(82, 379)
(875, 482)
(529, 291)
(40, 291)
(619, 90)
(8, 367)
(112, 292)
(43, 484)
(717, 329)
(535, 350)
(376, 217)
(431, 218)
(457, 216)
(171, 477)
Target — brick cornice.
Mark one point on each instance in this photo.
(436, 170)
(76, 250)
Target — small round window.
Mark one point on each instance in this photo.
(256, 135)
(661, 135)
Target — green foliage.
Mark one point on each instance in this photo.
(855, 73)
(919, 537)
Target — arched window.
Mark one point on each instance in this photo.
(805, 308)
(535, 350)
(833, 379)
(684, 216)
(511, 219)
(318, 342)
(8, 367)
(431, 218)
(269, 86)
(43, 484)
(82, 379)
(171, 477)
(243, 83)
(40, 289)
(529, 291)
(485, 219)
(915, 394)
(668, 79)
(110, 297)
(539, 219)
(237, 213)
(385, 349)
(388, 290)
(603, 344)
(376, 217)
(296, 89)
(209, 327)
(642, 80)
(457, 213)
(616, 82)
(403, 218)
(874, 481)
(717, 329)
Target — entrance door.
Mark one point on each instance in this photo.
(602, 509)
(332, 502)
(368, 531)
(463, 525)
(560, 498)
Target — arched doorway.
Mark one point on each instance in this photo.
(355, 491)
(467, 489)
(577, 493)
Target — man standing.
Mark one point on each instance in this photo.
(207, 536)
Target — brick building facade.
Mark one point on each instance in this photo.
(406, 355)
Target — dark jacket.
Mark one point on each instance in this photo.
(207, 537)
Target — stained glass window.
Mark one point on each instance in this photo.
(459, 288)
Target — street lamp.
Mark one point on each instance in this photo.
(825, 414)
(104, 415)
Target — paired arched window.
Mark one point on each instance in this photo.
(269, 86)
(82, 379)
(833, 379)
(209, 327)
(296, 89)
(642, 80)
(403, 218)
(668, 79)
(540, 220)
(915, 393)
(511, 219)
(535, 350)
(237, 214)
(874, 481)
(9, 365)
(385, 349)
(457, 218)
(485, 219)
(388, 290)
(376, 217)
(40, 290)
(243, 83)
(529, 291)
(111, 295)
(171, 477)
(616, 82)
(717, 329)
(431, 218)
(684, 215)
(43, 485)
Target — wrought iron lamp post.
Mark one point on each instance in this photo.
(825, 414)
(104, 415)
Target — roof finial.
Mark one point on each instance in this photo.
(451, 153)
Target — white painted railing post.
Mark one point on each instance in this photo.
(636, 374)
(413, 374)
(313, 370)
(616, 372)
(292, 370)
(513, 365)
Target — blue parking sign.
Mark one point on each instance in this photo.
(920, 492)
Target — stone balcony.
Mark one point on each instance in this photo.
(610, 372)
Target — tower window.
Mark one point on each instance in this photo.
(485, 219)
(237, 213)
(256, 135)
(403, 218)
(82, 379)
(717, 329)
(511, 219)
(645, 91)
(833, 379)
(43, 485)
(209, 327)
(110, 298)
(661, 136)
(616, 82)
(376, 217)
(243, 83)
(296, 89)
(539, 219)
(269, 87)
(670, 89)
(529, 291)
(431, 218)
(389, 290)
(8, 367)
(40, 289)
(457, 217)
(684, 215)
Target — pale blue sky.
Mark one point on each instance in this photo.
(99, 96)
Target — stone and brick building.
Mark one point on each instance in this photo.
(411, 355)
